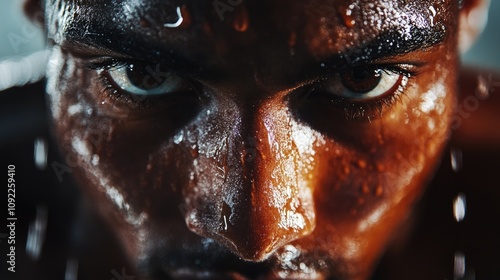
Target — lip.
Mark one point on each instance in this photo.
(253, 271)
(249, 271)
(211, 261)
(207, 275)
(234, 275)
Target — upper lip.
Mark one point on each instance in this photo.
(220, 270)
(191, 274)
(213, 261)
(231, 269)
(229, 275)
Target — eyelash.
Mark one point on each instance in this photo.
(111, 92)
(369, 110)
(352, 110)
(104, 63)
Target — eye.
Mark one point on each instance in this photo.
(361, 93)
(363, 83)
(145, 80)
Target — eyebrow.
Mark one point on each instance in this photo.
(126, 46)
(391, 43)
(395, 42)
(130, 47)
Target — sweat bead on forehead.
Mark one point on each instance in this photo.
(283, 139)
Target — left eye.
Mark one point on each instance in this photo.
(146, 80)
(363, 83)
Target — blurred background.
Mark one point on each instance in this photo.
(21, 37)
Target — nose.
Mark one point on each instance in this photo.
(265, 201)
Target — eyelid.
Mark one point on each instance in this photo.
(405, 69)
(105, 63)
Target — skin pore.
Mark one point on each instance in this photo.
(259, 151)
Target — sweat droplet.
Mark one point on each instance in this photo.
(71, 270)
(240, 22)
(432, 15)
(348, 16)
(459, 207)
(456, 159)
(482, 90)
(40, 153)
(183, 18)
(361, 163)
(459, 265)
(194, 151)
(36, 234)
(225, 222)
(95, 159)
(178, 137)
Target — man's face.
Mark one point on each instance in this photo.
(262, 139)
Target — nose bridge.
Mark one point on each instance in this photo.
(282, 192)
(266, 201)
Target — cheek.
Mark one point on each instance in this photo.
(369, 181)
(112, 158)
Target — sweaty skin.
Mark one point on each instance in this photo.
(253, 169)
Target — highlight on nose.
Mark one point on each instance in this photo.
(265, 200)
(257, 215)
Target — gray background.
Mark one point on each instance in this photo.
(14, 27)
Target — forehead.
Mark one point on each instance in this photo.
(343, 19)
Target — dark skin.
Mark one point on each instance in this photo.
(254, 165)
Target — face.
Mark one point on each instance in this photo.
(260, 139)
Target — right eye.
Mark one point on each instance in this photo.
(363, 83)
(146, 80)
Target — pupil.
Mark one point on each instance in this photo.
(143, 76)
(361, 79)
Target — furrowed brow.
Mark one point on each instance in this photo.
(99, 39)
(90, 49)
(389, 44)
(394, 42)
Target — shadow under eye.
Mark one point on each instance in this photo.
(181, 106)
(346, 122)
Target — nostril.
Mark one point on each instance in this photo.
(254, 235)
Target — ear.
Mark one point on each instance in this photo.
(473, 18)
(34, 11)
